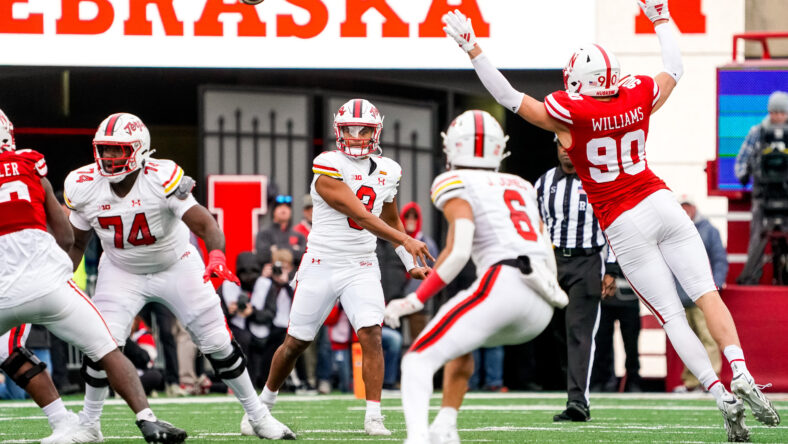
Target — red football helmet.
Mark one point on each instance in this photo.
(6, 133)
(127, 132)
(357, 125)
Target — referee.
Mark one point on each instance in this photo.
(579, 245)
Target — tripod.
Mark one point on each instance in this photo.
(773, 233)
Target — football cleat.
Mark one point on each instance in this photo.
(61, 428)
(575, 412)
(444, 434)
(373, 426)
(750, 392)
(161, 432)
(732, 410)
(266, 427)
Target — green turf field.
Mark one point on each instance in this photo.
(496, 418)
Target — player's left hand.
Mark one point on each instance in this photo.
(420, 272)
(460, 29)
(217, 267)
(401, 307)
(655, 9)
(608, 287)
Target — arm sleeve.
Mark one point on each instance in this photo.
(496, 84)
(671, 56)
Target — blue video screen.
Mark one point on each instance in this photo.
(742, 96)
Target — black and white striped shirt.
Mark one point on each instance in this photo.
(566, 212)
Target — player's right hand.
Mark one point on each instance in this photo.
(460, 29)
(655, 9)
(401, 307)
(418, 250)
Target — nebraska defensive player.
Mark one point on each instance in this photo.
(354, 195)
(603, 121)
(494, 219)
(142, 210)
(36, 287)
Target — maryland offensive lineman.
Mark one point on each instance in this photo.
(142, 210)
(36, 287)
(354, 193)
(603, 120)
(493, 219)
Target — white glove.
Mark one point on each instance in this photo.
(401, 307)
(460, 29)
(655, 9)
(544, 283)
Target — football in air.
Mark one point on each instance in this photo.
(252, 2)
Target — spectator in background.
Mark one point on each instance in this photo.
(747, 164)
(412, 221)
(280, 234)
(488, 367)
(619, 303)
(305, 226)
(141, 350)
(164, 320)
(718, 258)
(578, 242)
(235, 300)
(341, 336)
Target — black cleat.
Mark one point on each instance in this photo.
(575, 412)
(161, 432)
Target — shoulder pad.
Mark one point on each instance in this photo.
(36, 158)
(79, 184)
(327, 163)
(390, 167)
(444, 183)
(163, 173)
(559, 105)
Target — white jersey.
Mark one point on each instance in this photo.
(505, 213)
(373, 180)
(141, 232)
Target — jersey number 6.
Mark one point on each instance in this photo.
(519, 217)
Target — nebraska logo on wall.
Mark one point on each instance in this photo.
(687, 15)
(285, 33)
(237, 202)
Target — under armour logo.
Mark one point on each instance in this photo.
(136, 203)
(316, 261)
(381, 181)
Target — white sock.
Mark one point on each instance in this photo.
(55, 411)
(94, 402)
(735, 356)
(268, 397)
(446, 415)
(416, 388)
(146, 415)
(373, 409)
(244, 391)
(716, 389)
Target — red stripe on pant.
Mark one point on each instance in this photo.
(15, 337)
(458, 311)
(87, 299)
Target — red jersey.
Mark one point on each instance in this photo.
(609, 144)
(21, 193)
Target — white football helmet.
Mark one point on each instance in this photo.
(474, 140)
(126, 131)
(6, 133)
(592, 71)
(351, 119)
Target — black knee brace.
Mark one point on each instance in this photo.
(92, 380)
(222, 367)
(16, 360)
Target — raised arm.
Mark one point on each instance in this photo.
(460, 29)
(657, 12)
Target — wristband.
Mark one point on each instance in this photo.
(430, 287)
(405, 257)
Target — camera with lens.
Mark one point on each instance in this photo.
(771, 173)
(277, 268)
(243, 302)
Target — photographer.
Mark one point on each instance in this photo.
(749, 162)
